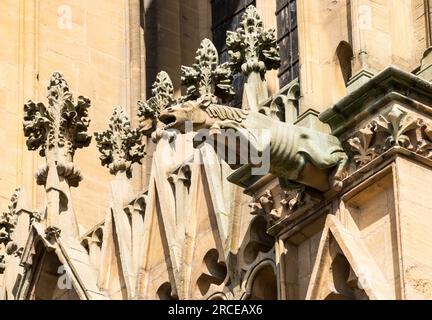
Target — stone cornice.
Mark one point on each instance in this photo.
(389, 84)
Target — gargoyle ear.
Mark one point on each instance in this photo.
(206, 100)
(205, 103)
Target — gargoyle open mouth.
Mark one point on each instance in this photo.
(168, 119)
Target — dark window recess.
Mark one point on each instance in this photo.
(226, 16)
(287, 35)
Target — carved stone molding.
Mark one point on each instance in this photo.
(207, 79)
(287, 204)
(92, 241)
(257, 246)
(265, 207)
(214, 273)
(68, 171)
(396, 128)
(250, 47)
(59, 128)
(120, 146)
(35, 216)
(180, 181)
(284, 105)
(137, 205)
(181, 175)
(424, 147)
(52, 233)
(293, 199)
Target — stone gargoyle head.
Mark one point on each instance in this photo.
(198, 114)
(191, 113)
(176, 117)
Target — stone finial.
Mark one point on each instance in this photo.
(52, 233)
(206, 78)
(163, 96)
(120, 146)
(62, 124)
(250, 47)
(59, 128)
(8, 222)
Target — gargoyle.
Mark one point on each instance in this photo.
(297, 154)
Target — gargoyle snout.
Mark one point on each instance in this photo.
(168, 117)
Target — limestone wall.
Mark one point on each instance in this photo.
(415, 223)
(99, 47)
(88, 42)
(389, 32)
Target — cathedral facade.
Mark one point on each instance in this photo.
(215, 149)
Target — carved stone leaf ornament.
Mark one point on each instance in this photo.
(396, 124)
(256, 209)
(361, 144)
(265, 207)
(163, 96)
(397, 128)
(62, 124)
(120, 146)
(36, 126)
(206, 78)
(148, 111)
(292, 199)
(149, 108)
(60, 127)
(264, 204)
(424, 148)
(266, 201)
(8, 222)
(35, 216)
(250, 47)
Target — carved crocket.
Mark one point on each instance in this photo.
(297, 154)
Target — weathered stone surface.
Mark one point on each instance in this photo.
(177, 229)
